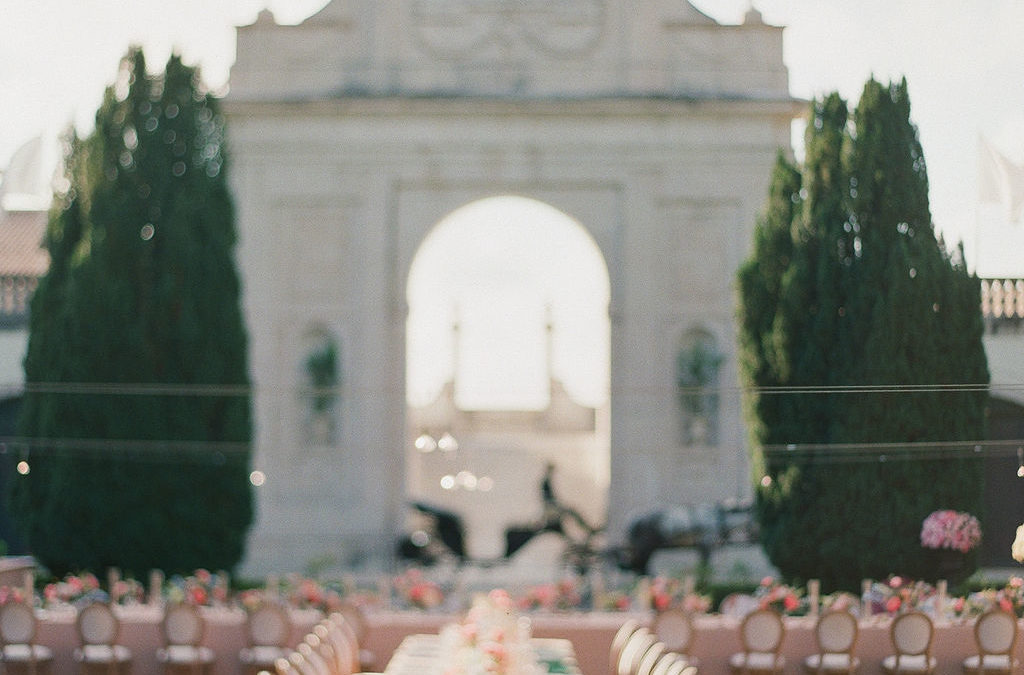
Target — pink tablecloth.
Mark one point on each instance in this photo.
(717, 637)
(591, 634)
(142, 633)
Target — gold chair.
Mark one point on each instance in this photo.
(761, 635)
(356, 620)
(619, 640)
(675, 628)
(183, 652)
(269, 628)
(342, 652)
(99, 653)
(911, 635)
(633, 651)
(836, 633)
(650, 658)
(995, 634)
(19, 652)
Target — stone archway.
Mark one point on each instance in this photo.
(352, 137)
(507, 367)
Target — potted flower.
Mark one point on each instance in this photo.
(951, 537)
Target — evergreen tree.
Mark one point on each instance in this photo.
(870, 298)
(136, 416)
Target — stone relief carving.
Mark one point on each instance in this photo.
(457, 29)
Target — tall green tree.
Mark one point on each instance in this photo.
(869, 298)
(136, 419)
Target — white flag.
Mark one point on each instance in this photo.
(1000, 181)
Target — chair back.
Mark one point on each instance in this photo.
(97, 624)
(664, 664)
(183, 625)
(681, 667)
(313, 663)
(762, 631)
(912, 633)
(836, 632)
(633, 651)
(341, 654)
(675, 628)
(650, 658)
(995, 632)
(269, 626)
(619, 640)
(17, 624)
(285, 666)
(354, 615)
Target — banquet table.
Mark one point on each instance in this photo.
(590, 633)
(716, 638)
(141, 631)
(420, 654)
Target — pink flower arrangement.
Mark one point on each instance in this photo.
(783, 599)
(563, 595)
(950, 529)
(419, 591)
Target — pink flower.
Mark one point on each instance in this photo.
(892, 605)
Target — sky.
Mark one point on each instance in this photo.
(963, 60)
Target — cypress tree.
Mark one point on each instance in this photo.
(870, 298)
(136, 414)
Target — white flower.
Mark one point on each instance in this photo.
(1017, 550)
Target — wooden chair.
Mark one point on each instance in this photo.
(312, 663)
(284, 666)
(619, 640)
(761, 635)
(995, 634)
(19, 652)
(342, 654)
(269, 628)
(362, 660)
(99, 653)
(633, 651)
(356, 620)
(666, 663)
(911, 635)
(183, 652)
(836, 633)
(650, 658)
(675, 628)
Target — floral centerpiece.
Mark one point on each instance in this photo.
(950, 536)
(71, 589)
(561, 596)
(418, 591)
(771, 594)
(671, 593)
(491, 639)
(202, 588)
(948, 529)
(897, 595)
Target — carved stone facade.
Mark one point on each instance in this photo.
(354, 133)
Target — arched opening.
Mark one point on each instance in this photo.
(507, 367)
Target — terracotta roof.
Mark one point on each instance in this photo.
(21, 243)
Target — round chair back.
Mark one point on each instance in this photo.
(836, 631)
(996, 632)
(675, 629)
(17, 623)
(912, 633)
(183, 625)
(269, 626)
(97, 624)
(762, 631)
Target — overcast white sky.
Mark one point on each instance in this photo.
(963, 59)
